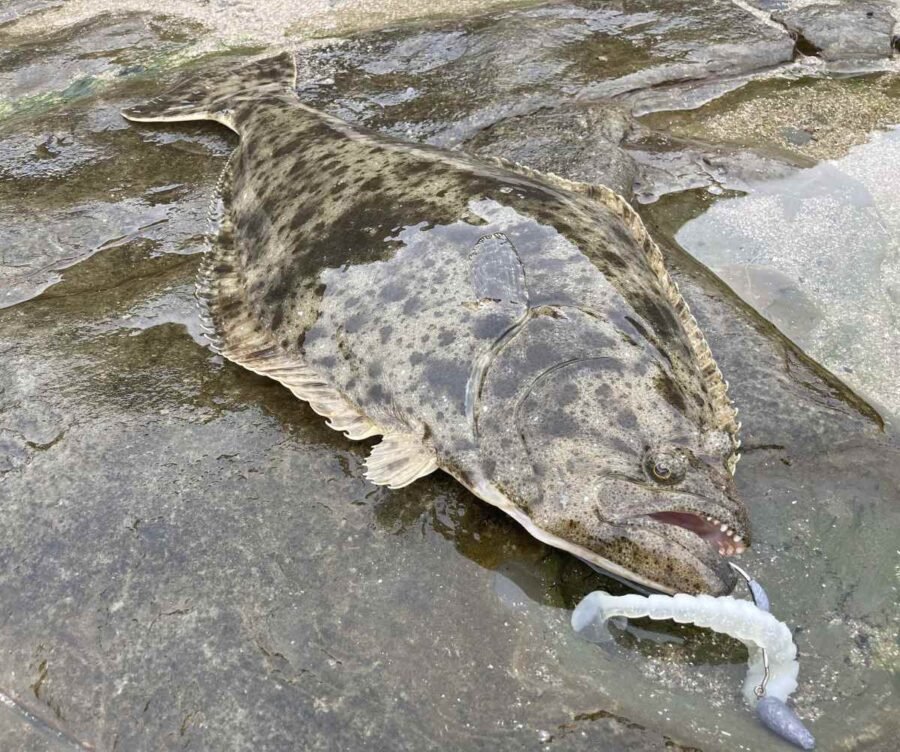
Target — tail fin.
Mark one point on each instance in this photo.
(215, 93)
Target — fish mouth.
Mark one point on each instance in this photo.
(725, 538)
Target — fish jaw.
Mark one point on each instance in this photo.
(718, 534)
(662, 542)
(701, 568)
(682, 538)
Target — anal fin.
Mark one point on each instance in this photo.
(398, 460)
(232, 331)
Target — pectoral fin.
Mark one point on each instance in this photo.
(398, 460)
(497, 271)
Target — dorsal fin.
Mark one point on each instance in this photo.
(725, 414)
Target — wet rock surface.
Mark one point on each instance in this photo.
(471, 74)
(849, 30)
(585, 142)
(190, 559)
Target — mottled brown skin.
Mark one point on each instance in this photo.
(547, 364)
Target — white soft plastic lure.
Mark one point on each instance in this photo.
(773, 667)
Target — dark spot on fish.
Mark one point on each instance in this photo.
(327, 362)
(490, 326)
(292, 146)
(614, 260)
(354, 323)
(385, 333)
(413, 305)
(416, 358)
(539, 354)
(376, 393)
(392, 292)
(445, 337)
(620, 446)
(626, 419)
(449, 378)
(568, 393)
(659, 315)
(277, 318)
(372, 184)
(505, 386)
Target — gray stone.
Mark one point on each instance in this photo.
(848, 31)
(469, 75)
(583, 142)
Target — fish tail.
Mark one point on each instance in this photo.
(217, 93)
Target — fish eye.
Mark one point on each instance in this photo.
(664, 467)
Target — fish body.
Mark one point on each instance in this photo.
(514, 329)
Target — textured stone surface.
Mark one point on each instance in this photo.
(845, 31)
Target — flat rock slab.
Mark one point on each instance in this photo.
(446, 82)
(846, 31)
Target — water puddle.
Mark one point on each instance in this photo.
(818, 254)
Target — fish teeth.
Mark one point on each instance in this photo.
(723, 527)
(736, 538)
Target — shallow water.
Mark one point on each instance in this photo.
(818, 253)
(190, 559)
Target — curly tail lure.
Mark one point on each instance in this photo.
(773, 667)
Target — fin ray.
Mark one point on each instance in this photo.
(231, 331)
(497, 271)
(399, 459)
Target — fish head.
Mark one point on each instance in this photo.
(627, 469)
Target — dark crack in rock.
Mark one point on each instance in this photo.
(846, 31)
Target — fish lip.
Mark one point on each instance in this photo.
(705, 527)
(700, 506)
(705, 557)
(691, 502)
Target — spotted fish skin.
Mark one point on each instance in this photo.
(515, 330)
